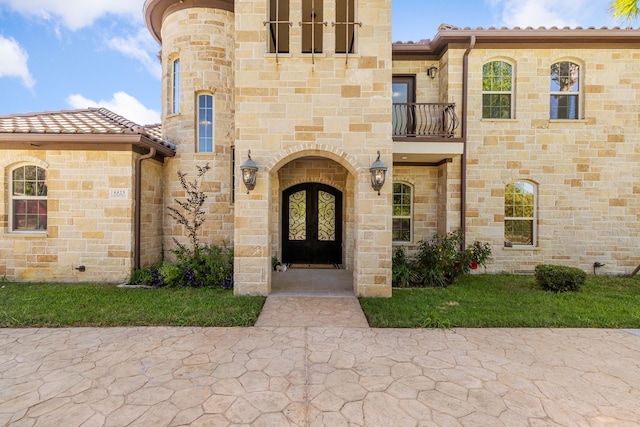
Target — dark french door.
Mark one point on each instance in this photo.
(404, 98)
(312, 224)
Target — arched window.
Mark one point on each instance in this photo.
(497, 90)
(565, 90)
(28, 198)
(402, 212)
(520, 219)
(175, 86)
(205, 123)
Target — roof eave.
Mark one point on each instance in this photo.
(525, 37)
(61, 141)
(155, 10)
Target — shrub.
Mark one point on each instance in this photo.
(141, 277)
(402, 273)
(440, 260)
(559, 278)
(205, 266)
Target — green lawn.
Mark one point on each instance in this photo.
(479, 301)
(474, 301)
(57, 305)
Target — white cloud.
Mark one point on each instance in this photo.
(550, 13)
(76, 14)
(139, 47)
(14, 61)
(123, 104)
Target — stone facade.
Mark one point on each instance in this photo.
(89, 217)
(321, 119)
(585, 171)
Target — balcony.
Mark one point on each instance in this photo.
(425, 134)
(424, 120)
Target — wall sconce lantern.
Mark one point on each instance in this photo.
(378, 171)
(432, 71)
(249, 169)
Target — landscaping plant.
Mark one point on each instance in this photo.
(439, 261)
(559, 278)
(197, 265)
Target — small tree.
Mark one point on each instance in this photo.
(190, 214)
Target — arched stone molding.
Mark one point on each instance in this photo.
(329, 152)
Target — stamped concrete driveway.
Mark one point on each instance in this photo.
(318, 376)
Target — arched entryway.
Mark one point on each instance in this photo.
(312, 224)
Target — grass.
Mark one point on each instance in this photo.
(482, 301)
(65, 305)
(475, 301)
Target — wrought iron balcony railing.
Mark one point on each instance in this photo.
(426, 120)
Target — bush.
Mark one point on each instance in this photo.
(205, 266)
(440, 261)
(209, 266)
(402, 274)
(559, 278)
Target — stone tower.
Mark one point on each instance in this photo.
(197, 38)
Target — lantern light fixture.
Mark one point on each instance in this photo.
(378, 171)
(432, 71)
(249, 170)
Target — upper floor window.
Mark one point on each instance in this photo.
(497, 90)
(312, 23)
(520, 214)
(278, 25)
(565, 90)
(205, 123)
(175, 86)
(345, 26)
(28, 198)
(402, 212)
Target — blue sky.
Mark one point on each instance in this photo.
(66, 54)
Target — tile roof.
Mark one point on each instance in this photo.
(447, 29)
(90, 121)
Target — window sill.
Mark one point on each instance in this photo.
(279, 55)
(499, 120)
(18, 233)
(521, 248)
(568, 121)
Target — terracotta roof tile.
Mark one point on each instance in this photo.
(90, 121)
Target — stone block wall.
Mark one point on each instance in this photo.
(152, 214)
(585, 170)
(89, 218)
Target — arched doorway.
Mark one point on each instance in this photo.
(312, 224)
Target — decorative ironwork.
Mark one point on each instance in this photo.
(413, 119)
(298, 216)
(326, 217)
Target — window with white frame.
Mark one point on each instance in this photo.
(175, 86)
(565, 90)
(520, 214)
(497, 90)
(402, 212)
(28, 198)
(205, 123)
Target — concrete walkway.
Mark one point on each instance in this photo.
(318, 376)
